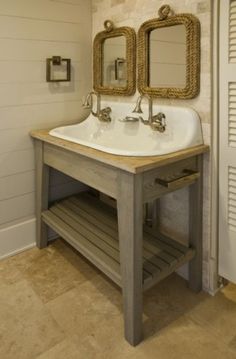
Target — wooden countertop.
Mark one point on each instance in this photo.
(126, 163)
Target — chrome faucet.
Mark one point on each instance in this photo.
(102, 114)
(156, 122)
(88, 102)
(138, 109)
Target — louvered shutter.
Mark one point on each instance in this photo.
(232, 32)
(227, 140)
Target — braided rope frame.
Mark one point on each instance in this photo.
(192, 25)
(98, 58)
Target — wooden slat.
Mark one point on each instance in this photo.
(109, 225)
(90, 218)
(96, 240)
(160, 250)
(112, 239)
(91, 227)
(108, 244)
(165, 255)
(150, 283)
(94, 254)
(89, 205)
(107, 216)
(173, 244)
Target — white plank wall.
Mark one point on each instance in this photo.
(31, 31)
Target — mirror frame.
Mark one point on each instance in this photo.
(166, 19)
(98, 57)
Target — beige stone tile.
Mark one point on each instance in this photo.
(232, 344)
(108, 343)
(183, 339)
(71, 348)
(92, 312)
(101, 344)
(84, 308)
(117, 2)
(168, 301)
(218, 314)
(75, 259)
(24, 260)
(203, 6)
(229, 292)
(87, 321)
(174, 211)
(54, 270)
(26, 327)
(9, 274)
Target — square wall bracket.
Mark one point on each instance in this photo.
(55, 62)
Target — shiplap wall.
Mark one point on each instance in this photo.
(31, 31)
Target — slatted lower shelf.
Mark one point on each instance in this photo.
(91, 227)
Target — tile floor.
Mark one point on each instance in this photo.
(54, 305)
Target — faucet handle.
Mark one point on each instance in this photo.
(106, 110)
(160, 117)
(104, 114)
(159, 122)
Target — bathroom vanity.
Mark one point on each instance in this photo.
(134, 256)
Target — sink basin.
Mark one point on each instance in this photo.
(183, 130)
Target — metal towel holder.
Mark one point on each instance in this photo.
(58, 61)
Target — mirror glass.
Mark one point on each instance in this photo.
(167, 57)
(114, 60)
(114, 72)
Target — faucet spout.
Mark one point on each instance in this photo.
(88, 103)
(157, 122)
(102, 114)
(138, 108)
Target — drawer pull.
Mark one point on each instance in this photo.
(186, 177)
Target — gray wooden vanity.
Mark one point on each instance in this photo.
(133, 256)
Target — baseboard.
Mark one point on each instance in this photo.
(17, 238)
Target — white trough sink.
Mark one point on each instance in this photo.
(183, 130)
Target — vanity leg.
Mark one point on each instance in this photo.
(195, 229)
(130, 222)
(42, 189)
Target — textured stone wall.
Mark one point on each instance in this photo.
(133, 13)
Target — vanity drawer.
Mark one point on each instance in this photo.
(169, 178)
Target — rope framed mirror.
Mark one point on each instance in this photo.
(169, 55)
(114, 60)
